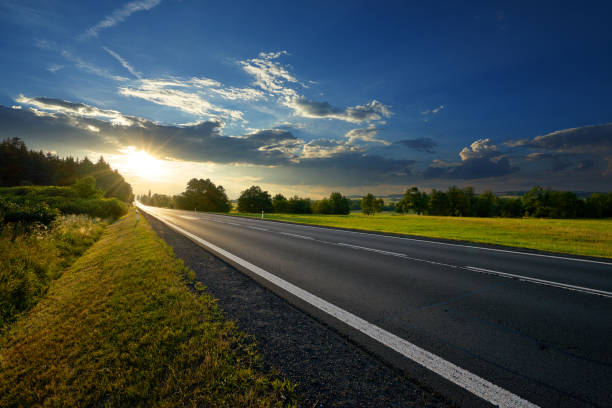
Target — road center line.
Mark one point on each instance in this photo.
(258, 228)
(296, 235)
(560, 285)
(574, 288)
(471, 382)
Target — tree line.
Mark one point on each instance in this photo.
(460, 202)
(538, 202)
(203, 195)
(21, 167)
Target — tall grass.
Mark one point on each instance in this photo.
(30, 262)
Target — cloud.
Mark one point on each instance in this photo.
(244, 94)
(433, 111)
(123, 62)
(323, 110)
(480, 160)
(326, 148)
(589, 139)
(90, 67)
(276, 154)
(558, 161)
(586, 164)
(423, 144)
(54, 68)
(119, 15)
(269, 74)
(481, 148)
(469, 169)
(75, 109)
(367, 135)
(164, 92)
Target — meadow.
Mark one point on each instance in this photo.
(125, 325)
(590, 237)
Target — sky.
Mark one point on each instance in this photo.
(316, 96)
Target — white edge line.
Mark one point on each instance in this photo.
(383, 234)
(457, 375)
(542, 281)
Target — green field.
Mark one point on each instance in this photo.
(121, 327)
(592, 237)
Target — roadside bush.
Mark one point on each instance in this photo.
(26, 217)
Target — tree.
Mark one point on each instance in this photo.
(370, 205)
(297, 205)
(280, 204)
(339, 203)
(335, 204)
(254, 200)
(486, 205)
(413, 200)
(204, 195)
(438, 203)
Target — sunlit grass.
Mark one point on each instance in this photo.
(577, 236)
(121, 328)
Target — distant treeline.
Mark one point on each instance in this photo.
(203, 195)
(21, 167)
(538, 202)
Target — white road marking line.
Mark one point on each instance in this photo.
(463, 378)
(396, 254)
(574, 288)
(233, 223)
(424, 241)
(258, 228)
(296, 235)
(560, 285)
(188, 217)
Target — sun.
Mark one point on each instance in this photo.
(142, 164)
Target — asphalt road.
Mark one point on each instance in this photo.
(537, 327)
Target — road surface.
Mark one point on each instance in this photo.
(478, 324)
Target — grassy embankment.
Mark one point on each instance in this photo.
(576, 236)
(120, 327)
(30, 262)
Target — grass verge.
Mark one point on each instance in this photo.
(121, 328)
(30, 262)
(591, 237)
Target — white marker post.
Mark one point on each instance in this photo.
(262, 215)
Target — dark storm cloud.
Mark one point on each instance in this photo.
(586, 164)
(423, 144)
(471, 169)
(592, 138)
(63, 128)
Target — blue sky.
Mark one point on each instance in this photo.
(317, 96)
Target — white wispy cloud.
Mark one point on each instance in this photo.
(165, 92)
(74, 109)
(433, 111)
(54, 68)
(90, 67)
(244, 94)
(269, 74)
(123, 62)
(119, 15)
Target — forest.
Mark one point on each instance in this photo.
(22, 167)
